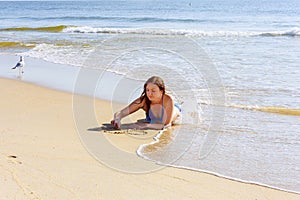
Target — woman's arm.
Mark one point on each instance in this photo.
(147, 126)
(131, 108)
(168, 110)
(155, 126)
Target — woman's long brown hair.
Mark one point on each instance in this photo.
(157, 81)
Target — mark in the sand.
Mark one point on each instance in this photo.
(12, 156)
(108, 128)
(127, 131)
(12, 159)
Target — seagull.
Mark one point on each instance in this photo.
(20, 65)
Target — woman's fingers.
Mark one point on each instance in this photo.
(117, 124)
(112, 122)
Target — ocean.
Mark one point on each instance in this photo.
(232, 65)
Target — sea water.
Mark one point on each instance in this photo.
(234, 63)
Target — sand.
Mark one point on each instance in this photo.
(43, 157)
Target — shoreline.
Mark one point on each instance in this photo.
(23, 144)
(212, 173)
(69, 78)
(33, 156)
(234, 179)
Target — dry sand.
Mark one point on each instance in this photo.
(42, 157)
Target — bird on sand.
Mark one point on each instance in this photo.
(20, 65)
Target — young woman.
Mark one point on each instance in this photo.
(161, 111)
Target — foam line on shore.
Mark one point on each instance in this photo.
(65, 77)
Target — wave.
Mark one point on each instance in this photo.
(291, 32)
(16, 45)
(155, 31)
(270, 109)
(74, 54)
(44, 29)
(180, 32)
(31, 45)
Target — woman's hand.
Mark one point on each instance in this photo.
(116, 122)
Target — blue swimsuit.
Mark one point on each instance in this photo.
(152, 119)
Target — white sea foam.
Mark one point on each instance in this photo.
(69, 55)
(291, 32)
(180, 32)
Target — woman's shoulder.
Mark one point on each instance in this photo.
(141, 102)
(168, 98)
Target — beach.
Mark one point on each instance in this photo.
(231, 67)
(42, 157)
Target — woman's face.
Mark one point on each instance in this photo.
(153, 92)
